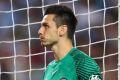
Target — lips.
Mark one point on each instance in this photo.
(42, 39)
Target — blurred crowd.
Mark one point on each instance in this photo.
(20, 49)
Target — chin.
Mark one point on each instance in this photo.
(45, 44)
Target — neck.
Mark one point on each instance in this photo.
(61, 49)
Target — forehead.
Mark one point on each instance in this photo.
(48, 18)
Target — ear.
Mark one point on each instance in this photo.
(63, 30)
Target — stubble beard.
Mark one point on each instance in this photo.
(48, 43)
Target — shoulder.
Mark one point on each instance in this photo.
(51, 63)
(49, 67)
(86, 67)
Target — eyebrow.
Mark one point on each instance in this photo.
(44, 24)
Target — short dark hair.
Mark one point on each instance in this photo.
(63, 16)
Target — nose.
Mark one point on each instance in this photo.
(40, 31)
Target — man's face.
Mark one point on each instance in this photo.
(48, 31)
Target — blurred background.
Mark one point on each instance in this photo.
(23, 58)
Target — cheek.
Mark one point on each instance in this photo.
(53, 35)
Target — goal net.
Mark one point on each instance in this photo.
(23, 58)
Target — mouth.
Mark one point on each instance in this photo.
(42, 39)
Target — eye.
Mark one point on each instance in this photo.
(45, 25)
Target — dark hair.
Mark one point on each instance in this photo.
(63, 16)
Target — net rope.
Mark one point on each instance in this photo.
(89, 28)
